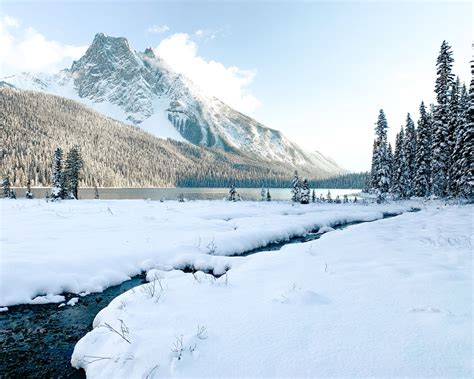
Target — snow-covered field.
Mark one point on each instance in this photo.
(86, 246)
(385, 299)
(388, 298)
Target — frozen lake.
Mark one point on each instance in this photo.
(188, 192)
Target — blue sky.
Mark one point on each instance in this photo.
(317, 71)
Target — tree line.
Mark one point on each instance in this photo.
(114, 154)
(436, 157)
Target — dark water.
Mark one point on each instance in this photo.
(188, 193)
(38, 340)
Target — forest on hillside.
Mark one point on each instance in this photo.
(117, 155)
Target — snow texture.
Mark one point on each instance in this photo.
(89, 245)
(391, 298)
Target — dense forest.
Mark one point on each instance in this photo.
(117, 155)
(436, 157)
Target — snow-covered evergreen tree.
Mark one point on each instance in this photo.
(74, 165)
(440, 143)
(329, 198)
(269, 197)
(296, 189)
(464, 147)
(304, 192)
(57, 178)
(232, 194)
(380, 160)
(262, 194)
(96, 192)
(423, 154)
(400, 178)
(345, 199)
(455, 123)
(410, 154)
(313, 196)
(390, 162)
(6, 187)
(28, 193)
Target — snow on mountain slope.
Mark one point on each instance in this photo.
(141, 89)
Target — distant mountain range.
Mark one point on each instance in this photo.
(139, 88)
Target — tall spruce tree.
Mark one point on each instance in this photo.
(423, 154)
(390, 162)
(296, 189)
(454, 124)
(380, 161)
(410, 154)
(440, 147)
(395, 179)
(74, 165)
(465, 141)
(57, 178)
(305, 191)
(6, 187)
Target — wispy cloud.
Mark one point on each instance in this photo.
(25, 49)
(230, 84)
(157, 29)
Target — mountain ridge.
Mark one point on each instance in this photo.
(141, 89)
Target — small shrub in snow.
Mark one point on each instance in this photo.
(179, 348)
(211, 247)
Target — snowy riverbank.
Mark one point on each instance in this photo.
(85, 246)
(390, 298)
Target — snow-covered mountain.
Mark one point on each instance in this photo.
(141, 89)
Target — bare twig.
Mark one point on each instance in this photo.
(201, 332)
(124, 333)
(93, 359)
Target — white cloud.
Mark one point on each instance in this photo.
(25, 49)
(156, 29)
(226, 83)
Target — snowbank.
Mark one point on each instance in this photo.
(385, 299)
(86, 246)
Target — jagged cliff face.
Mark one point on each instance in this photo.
(140, 88)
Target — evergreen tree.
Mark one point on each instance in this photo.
(296, 189)
(313, 196)
(410, 154)
(74, 165)
(464, 148)
(440, 144)
(345, 199)
(96, 192)
(390, 162)
(262, 194)
(269, 197)
(28, 194)
(6, 187)
(455, 125)
(423, 154)
(329, 198)
(400, 177)
(232, 193)
(57, 179)
(380, 159)
(304, 192)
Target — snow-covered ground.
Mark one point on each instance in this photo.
(85, 246)
(385, 299)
